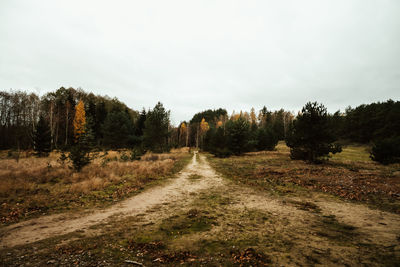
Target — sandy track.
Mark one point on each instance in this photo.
(49, 226)
(376, 226)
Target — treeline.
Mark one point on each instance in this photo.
(369, 123)
(49, 122)
(376, 123)
(217, 132)
(312, 134)
(314, 131)
(111, 123)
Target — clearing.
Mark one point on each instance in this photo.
(202, 218)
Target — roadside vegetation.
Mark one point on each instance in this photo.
(37, 186)
(227, 224)
(350, 175)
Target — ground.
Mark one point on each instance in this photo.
(227, 212)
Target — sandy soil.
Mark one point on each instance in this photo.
(291, 222)
(177, 191)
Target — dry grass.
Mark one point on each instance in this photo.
(33, 185)
(350, 175)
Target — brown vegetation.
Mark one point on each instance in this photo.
(201, 219)
(33, 185)
(350, 175)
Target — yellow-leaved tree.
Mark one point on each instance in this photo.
(235, 116)
(80, 151)
(79, 120)
(204, 127)
(253, 116)
(183, 128)
(182, 132)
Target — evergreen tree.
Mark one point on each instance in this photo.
(42, 138)
(310, 137)
(140, 123)
(118, 131)
(101, 114)
(216, 143)
(253, 140)
(156, 129)
(90, 136)
(266, 139)
(386, 151)
(237, 132)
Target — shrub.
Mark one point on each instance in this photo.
(386, 151)
(266, 139)
(124, 157)
(79, 155)
(136, 154)
(222, 152)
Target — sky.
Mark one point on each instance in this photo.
(196, 55)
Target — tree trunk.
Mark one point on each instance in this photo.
(66, 123)
(187, 135)
(197, 137)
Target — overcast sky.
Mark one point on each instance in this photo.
(194, 55)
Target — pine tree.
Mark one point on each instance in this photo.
(310, 137)
(386, 151)
(156, 130)
(266, 139)
(118, 131)
(140, 123)
(237, 132)
(42, 138)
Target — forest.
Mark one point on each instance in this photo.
(52, 122)
(86, 180)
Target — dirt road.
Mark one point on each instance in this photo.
(177, 191)
(316, 226)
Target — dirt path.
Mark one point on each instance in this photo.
(177, 191)
(313, 226)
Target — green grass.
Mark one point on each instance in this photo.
(191, 222)
(353, 153)
(350, 175)
(181, 163)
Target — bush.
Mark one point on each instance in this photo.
(386, 151)
(136, 154)
(222, 153)
(266, 139)
(303, 153)
(124, 157)
(79, 156)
